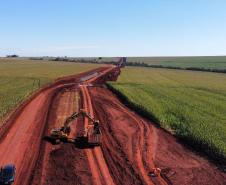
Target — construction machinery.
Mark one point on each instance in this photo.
(113, 75)
(7, 174)
(122, 62)
(91, 135)
(155, 172)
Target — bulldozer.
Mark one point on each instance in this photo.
(90, 137)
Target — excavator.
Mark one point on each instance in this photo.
(90, 137)
(113, 76)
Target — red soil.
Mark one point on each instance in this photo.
(98, 166)
(20, 136)
(63, 164)
(131, 145)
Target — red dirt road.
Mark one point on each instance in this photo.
(98, 166)
(21, 135)
(131, 146)
(19, 146)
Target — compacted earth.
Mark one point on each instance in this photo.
(131, 145)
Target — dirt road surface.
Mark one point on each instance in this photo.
(21, 136)
(136, 145)
(131, 146)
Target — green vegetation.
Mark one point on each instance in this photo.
(190, 104)
(205, 63)
(215, 62)
(18, 79)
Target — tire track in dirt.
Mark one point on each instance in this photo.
(140, 164)
(21, 133)
(139, 160)
(63, 105)
(93, 167)
(179, 165)
(131, 145)
(97, 162)
(139, 152)
(66, 149)
(18, 147)
(64, 164)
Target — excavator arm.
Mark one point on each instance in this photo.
(66, 126)
(84, 113)
(92, 136)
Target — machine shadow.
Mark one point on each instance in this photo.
(80, 142)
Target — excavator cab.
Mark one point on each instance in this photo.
(94, 135)
(91, 136)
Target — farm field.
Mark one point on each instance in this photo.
(113, 93)
(205, 62)
(128, 150)
(212, 62)
(187, 103)
(18, 79)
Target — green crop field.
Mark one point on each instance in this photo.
(18, 79)
(205, 62)
(187, 103)
(214, 62)
(211, 62)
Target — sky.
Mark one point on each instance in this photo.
(83, 28)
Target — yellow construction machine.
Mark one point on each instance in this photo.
(91, 135)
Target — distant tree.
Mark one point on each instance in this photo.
(12, 56)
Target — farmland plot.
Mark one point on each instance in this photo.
(188, 104)
(18, 79)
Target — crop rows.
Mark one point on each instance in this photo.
(188, 104)
(18, 79)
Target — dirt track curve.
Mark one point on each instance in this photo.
(131, 146)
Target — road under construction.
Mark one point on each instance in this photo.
(131, 146)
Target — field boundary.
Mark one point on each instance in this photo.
(200, 148)
(9, 118)
(189, 68)
(143, 64)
